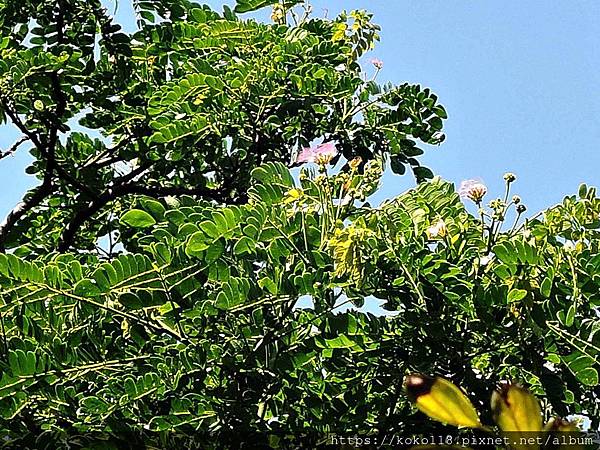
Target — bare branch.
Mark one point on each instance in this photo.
(14, 147)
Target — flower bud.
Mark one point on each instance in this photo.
(355, 162)
(516, 199)
(509, 177)
(521, 208)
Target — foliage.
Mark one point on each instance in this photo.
(188, 104)
(193, 332)
(516, 412)
(176, 322)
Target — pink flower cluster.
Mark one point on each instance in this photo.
(321, 154)
(377, 63)
(474, 190)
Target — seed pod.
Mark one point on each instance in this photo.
(441, 400)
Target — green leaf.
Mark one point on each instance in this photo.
(267, 283)
(342, 341)
(397, 165)
(570, 317)
(244, 6)
(154, 207)
(588, 376)
(196, 244)
(210, 229)
(503, 271)
(515, 295)
(422, 174)
(130, 301)
(244, 245)
(582, 367)
(87, 288)
(546, 287)
(214, 252)
(138, 219)
(505, 253)
(15, 357)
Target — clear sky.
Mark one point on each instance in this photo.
(519, 81)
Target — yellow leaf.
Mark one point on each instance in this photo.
(564, 434)
(293, 195)
(515, 409)
(441, 400)
(558, 424)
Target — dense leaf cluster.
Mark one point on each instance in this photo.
(188, 104)
(205, 302)
(194, 332)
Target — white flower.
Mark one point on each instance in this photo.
(437, 230)
(485, 260)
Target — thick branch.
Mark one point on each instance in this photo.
(39, 194)
(47, 148)
(68, 236)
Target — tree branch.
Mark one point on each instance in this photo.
(14, 117)
(13, 148)
(47, 149)
(80, 218)
(39, 194)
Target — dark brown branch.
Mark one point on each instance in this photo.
(39, 194)
(13, 148)
(69, 233)
(125, 179)
(47, 149)
(14, 117)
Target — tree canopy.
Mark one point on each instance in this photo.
(149, 285)
(188, 104)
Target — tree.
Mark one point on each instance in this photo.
(189, 104)
(190, 335)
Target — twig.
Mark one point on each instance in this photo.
(13, 148)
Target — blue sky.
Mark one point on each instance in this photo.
(518, 79)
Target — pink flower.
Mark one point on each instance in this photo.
(377, 63)
(474, 190)
(321, 154)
